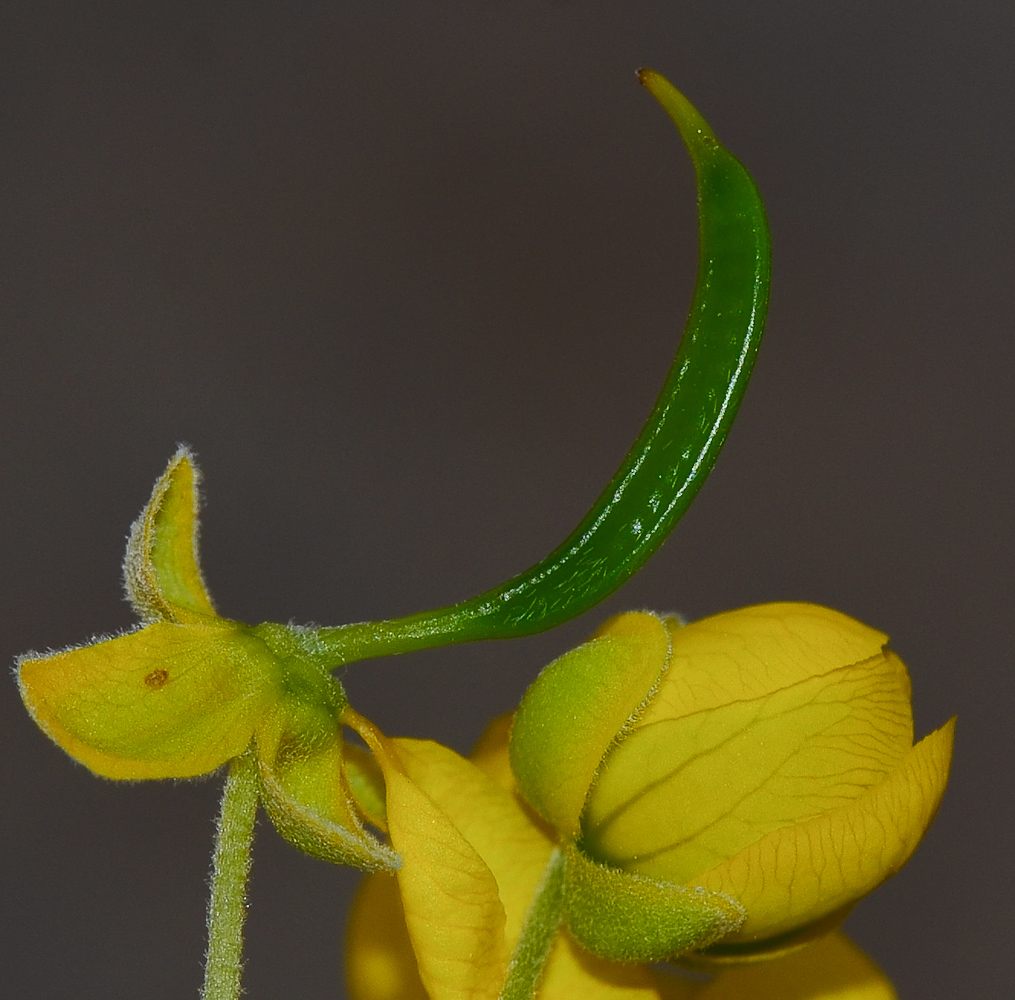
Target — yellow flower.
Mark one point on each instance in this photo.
(764, 754)
(721, 792)
(189, 690)
(724, 790)
(474, 859)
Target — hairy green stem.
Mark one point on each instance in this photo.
(541, 924)
(227, 907)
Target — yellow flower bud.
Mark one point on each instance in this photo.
(766, 754)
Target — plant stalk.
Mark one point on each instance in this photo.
(227, 907)
(525, 969)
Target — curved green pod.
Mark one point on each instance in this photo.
(675, 451)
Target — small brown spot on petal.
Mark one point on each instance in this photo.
(157, 679)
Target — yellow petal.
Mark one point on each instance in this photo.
(366, 783)
(490, 754)
(575, 709)
(167, 701)
(799, 873)
(161, 569)
(682, 794)
(574, 974)
(452, 908)
(831, 969)
(380, 963)
(380, 966)
(753, 651)
(490, 819)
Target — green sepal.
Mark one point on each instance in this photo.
(306, 793)
(630, 918)
(301, 760)
(577, 707)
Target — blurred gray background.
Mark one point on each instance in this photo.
(408, 276)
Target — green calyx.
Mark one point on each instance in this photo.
(630, 918)
(307, 788)
(302, 677)
(577, 707)
(613, 915)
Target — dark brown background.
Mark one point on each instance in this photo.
(408, 276)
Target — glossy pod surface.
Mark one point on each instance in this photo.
(675, 451)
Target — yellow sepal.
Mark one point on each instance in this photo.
(161, 570)
(167, 701)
